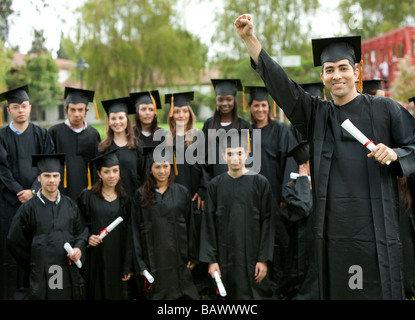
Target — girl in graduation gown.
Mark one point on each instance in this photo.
(120, 136)
(162, 230)
(146, 129)
(108, 264)
(192, 175)
(225, 117)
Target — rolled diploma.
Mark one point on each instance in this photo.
(294, 176)
(69, 250)
(358, 135)
(219, 283)
(108, 229)
(148, 276)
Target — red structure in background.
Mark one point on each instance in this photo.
(385, 51)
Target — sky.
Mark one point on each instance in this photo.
(49, 20)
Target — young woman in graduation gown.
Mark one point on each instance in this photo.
(108, 266)
(225, 117)
(162, 231)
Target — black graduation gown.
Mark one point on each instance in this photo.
(238, 231)
(80, 149)
(163, 238)
(355, 198)
(219, 166)
(16, 174)
(300, 280)
(107, 263)
(130, 167)
(36, 239)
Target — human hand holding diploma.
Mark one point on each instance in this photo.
(220, 285)
(359, 136)
(70, 251)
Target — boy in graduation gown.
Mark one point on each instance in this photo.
(237, 232)
(77, 140)
(18, 180)
(355, 195)
(38, 233)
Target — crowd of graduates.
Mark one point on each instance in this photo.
(193, 204)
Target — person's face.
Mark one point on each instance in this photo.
(235, 158)
(109, 175)
(161, 171)
(260, 110)
(146, 113)
(19, 112)
(118, 121)
(49, 181)
(339, 78)
(181, 115)
(225, 103)
(76, 114)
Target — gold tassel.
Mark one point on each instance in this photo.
(154, 103)
(361, 76)
(96, 110)
(243, 100)
(106, 123)
(176, 172)
(275, 109)
(249, 143)
(89, 178)
(1, 116)
(65, 185)
(171, 106)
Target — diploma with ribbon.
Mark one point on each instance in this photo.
(294, 176)
(70, 251)
(148, 276)
(358, 135)
(220, 285)
(108, 229)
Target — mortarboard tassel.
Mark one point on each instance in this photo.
(89, 178)
(106, 123)
(176, 172)
(249, 143)
(1, 116)
(243, 100)
(65, 185)
(171, 106)
(275, 109)
(154, 103)
(360, 88)
(96, 110)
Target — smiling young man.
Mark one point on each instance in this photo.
(77, 140)
(355, 199)
(18, 181)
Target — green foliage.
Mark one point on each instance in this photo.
(403, 87)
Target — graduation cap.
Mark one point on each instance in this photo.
(48, 162)
(123, 104)
(179, 99)
(146, 97)
(301, 152)
(108, 160)
(76, 95)
(259, 93)
(17, 95)
(374, 84)
(313, 88)
(338, 48)
(229, 87)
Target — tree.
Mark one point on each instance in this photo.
(5, 12)
(403, 87)
(38, 43)
(373, 17)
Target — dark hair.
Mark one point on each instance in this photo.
(97, 188)
(405, 193)
(235, 117)
(147, 189)
(253, 121)
(137, 127)
(131, 141)
(353, 65)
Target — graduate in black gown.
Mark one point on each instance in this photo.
(276, 141)
(163, 234)
(355, 194)
(77, 140)
(109, 263)
(189, 168)
(38, 233)
(300, 281)
(120, 136)
(146, 129)
(225, 117)
(238, 227)
(18, 180)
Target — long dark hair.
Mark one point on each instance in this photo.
(97, 188)
(137, 127)
(131, 141)
(253, 121)
(148, 188)
(235, 118)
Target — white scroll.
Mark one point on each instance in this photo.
(358, 135)
(294, 176)
(148, 276)
(108, 229)
(220, 285)
(70, 251)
